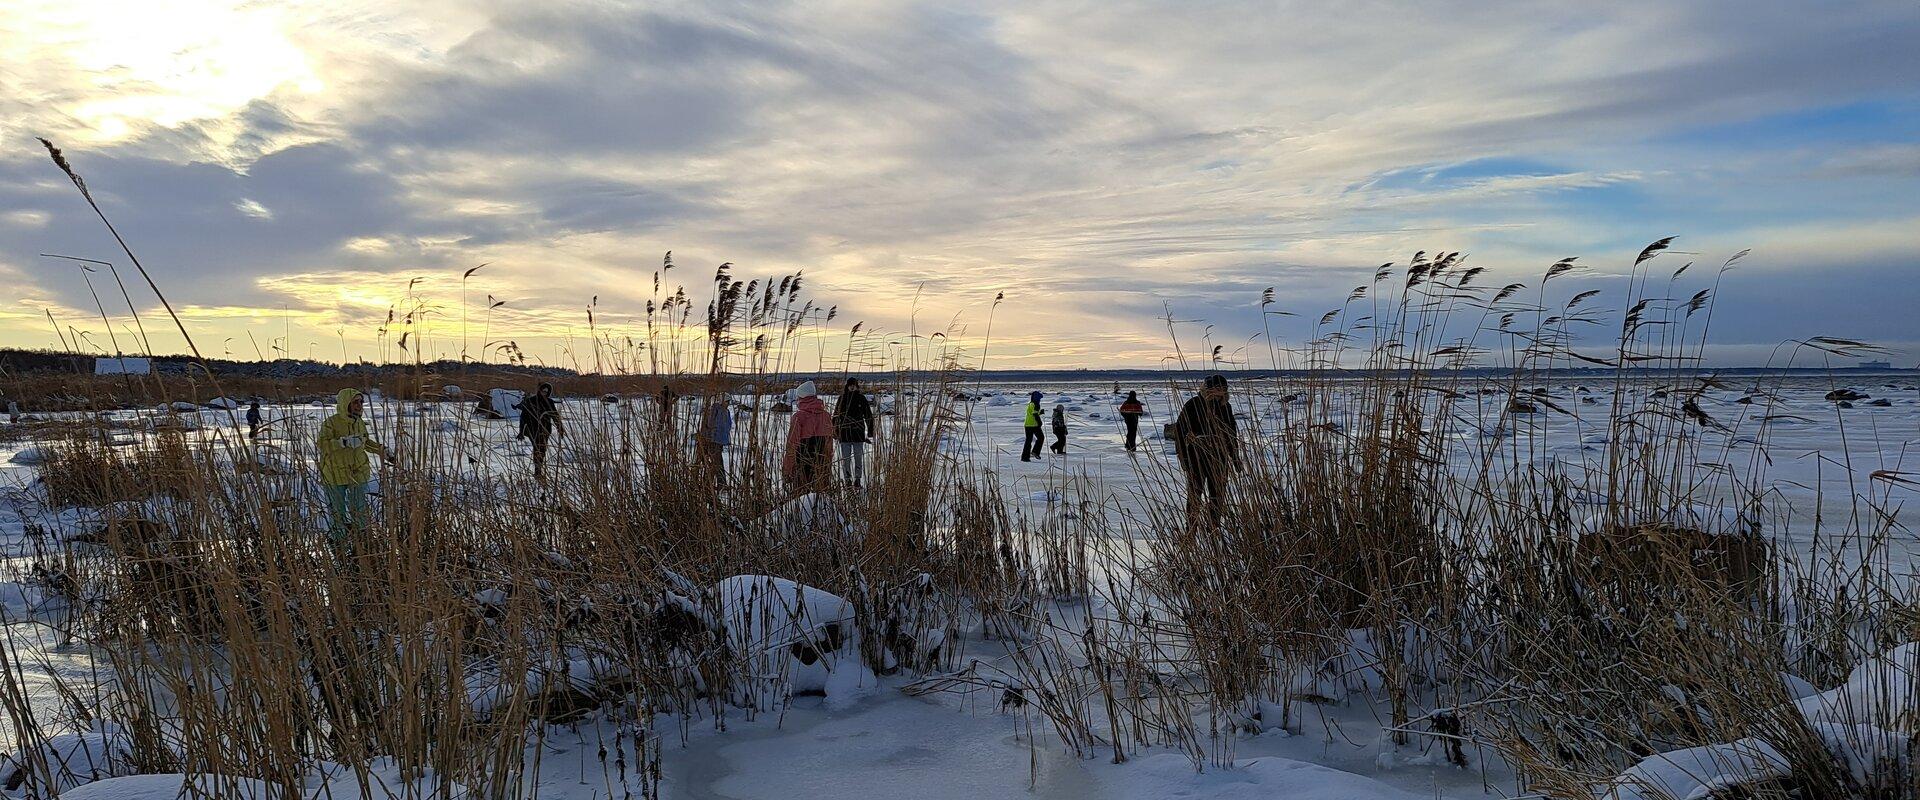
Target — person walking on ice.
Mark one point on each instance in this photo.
(1130, 411)
(254, 419)
(1060, 429)
(539, 421)
(715, 433)
(1036, 438)
(809, 438)
(345, 470)
(853, 426)
(1206, 442)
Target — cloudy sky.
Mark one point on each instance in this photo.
(286, 170)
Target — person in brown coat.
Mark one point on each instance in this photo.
(1207, 442)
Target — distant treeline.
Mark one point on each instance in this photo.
(25, 362)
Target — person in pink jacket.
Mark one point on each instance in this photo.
(809, 442)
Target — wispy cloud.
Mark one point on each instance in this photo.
(1103, 166)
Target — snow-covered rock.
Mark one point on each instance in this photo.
(224, 403)
(67, 760)
(31, 456)
(763, 612)
(1697, 772)
(1883, 691)
(506, 402)
(168, 786)
(802, 635)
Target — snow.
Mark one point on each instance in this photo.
(1696, 772)
(1170, 775)
(809, 514)
(764, 612)
(20, 600)
(172, 786)
(31, 456)
(506, 402)
(862, 737)
(72, 759)
(1882, 691)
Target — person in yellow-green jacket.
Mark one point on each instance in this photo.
(345, 470)
(1036, 438)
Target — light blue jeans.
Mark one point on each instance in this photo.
(853, 461)
(347, 511)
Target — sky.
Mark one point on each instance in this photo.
(290, 171)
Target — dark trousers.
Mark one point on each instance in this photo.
(1035, 441)
(810, 464)
(539, 452)
(711, 456)
(1133, 429)
(1206, 490)
(1060, 439)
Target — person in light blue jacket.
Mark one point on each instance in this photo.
(715, 434)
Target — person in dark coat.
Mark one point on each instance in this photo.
(254, 418)
(1060, 429)
(1036, 438)
(539, 420)
(1130, 411)
(853, 427)
(1207, 442)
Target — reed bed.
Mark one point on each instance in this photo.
(1398, 534)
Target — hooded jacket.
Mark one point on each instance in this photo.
(1205, 436)
(853, 417)
(539, 414)
(810, 420)
(341, 464)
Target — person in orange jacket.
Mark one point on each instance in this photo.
(1130, 412)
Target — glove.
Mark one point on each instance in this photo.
(352, 442)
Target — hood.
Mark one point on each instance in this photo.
(806, 390)
(344, 399)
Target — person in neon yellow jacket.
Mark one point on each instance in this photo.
(345, 470)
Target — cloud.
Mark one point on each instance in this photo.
(1105, 167)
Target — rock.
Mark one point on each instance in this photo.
(781, 407)
(1844, 404)
(31, 456)
(1839, 395)
(1518, 406)
(1881, 403)
(506, 402)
